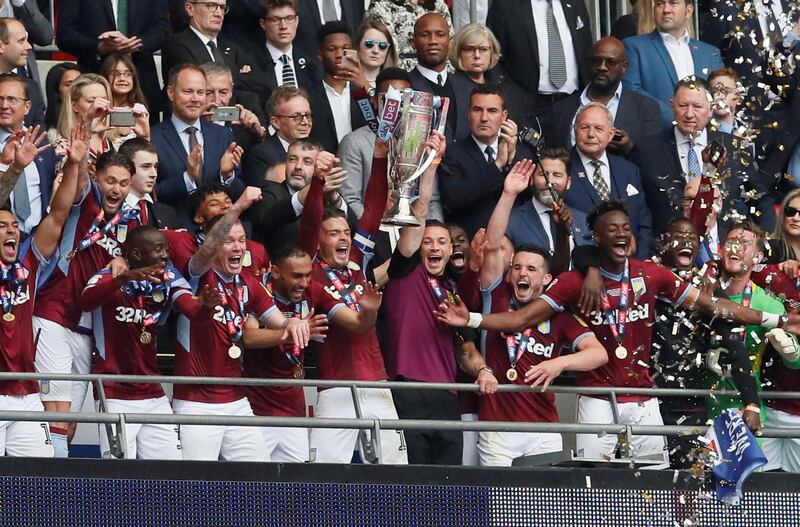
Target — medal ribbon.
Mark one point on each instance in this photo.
(96, 232)
(617, 320)
(516, 347)
(12, 277)
(230, 317)
(139, 289)
(345, 292)
(440, 293)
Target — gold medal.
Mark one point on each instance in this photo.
(299, 373)
(511, 374)
(234, 352)
(9, 317)
(146, 337)
(621, 352)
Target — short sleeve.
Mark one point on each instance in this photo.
(668, 285)
(563, 290)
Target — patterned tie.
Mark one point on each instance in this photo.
(489, 154)
(192, 131)
(215, 52)
(328, 11)
(598, 181)
(22, 202)
(122, 16)
(555, 50)
(287, 73)
(692, 163)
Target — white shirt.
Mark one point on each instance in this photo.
(33, 182)
(684, 143)
(679, 52)
(206, 39)
(431, 75)
(132, 200)
(547, 221)
(337, 6)
(340, 108)
(180, 127)
(495, 145)
(540, 23)
(712, 237)
(115, 9)
(588, 168)
(612, 105)
(777, 11)
(276, 55)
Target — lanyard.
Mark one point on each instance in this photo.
(516, 346)
(12, 278)
(345, 292)
(234, 331)
(140, 289)
(96, 232)
(617, 320)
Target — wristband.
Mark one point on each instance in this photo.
(475, 320)
(753, 408)
(770, 320)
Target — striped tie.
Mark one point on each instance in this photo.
(287, 74)
(555, 50)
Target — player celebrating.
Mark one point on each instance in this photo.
(21, 268)
(532, 355)
(631, 287)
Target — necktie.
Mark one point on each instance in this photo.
(215, 52)
(692, 163)
(598, 181)
(439, 79)
(192, 131)
(22, 202)
(122, 16)
(489, 155)
(774, 33)
(144, 217)
(328, 11)
(555, 50)
(287, 73)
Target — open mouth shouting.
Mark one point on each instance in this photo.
(10, 249)
(620, 248)
(458, 259)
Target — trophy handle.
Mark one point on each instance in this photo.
(432, 153)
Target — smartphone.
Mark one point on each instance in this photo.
(226, 113)
(617, 137)
(717, 151)
(122, 117)
(351, 55)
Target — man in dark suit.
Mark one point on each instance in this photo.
(473, 170)
(669, 159)
(192, 152)
(351, 12)
(40, 32)
(635, 116)
(336, 114)
(92, 29)
(290, 115)
(200, 42)
(432, 42)
(597, 176)
(31, 194)
(145, 160)
(278, 62)
(14, 53)
(547, 75)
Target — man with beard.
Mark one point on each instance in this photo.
(93, 237)
(22, 267)
(623, 326)
(533, 355)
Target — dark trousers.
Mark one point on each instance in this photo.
(430, 447)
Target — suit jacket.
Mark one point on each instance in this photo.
(637, 114)
(261, 80)
(663, 181)
(469, 186)
(512, 24)
(462, 89)
(82, 21)
(170, 186)
(651, 71)
(186, 46)
(525, 226)
(626, 185)
(324, 129)
(310, 22)
(268, 153)
(46, 165)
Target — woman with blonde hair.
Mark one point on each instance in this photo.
(376, 49)
(785, 244)
(474, 52)
(88, 99)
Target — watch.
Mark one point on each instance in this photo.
(487, 369)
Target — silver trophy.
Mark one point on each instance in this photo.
(418, 114)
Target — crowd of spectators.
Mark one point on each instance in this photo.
(621, 208)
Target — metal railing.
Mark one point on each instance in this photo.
(372, 444)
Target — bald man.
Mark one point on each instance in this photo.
(635, 115)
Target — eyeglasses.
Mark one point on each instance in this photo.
(382, 44)
(127, 74)
(213, 7)
(10, 99)
(790, 212)
(298, 117)
(276, 20)
(483, 50)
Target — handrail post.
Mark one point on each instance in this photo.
(117, 450)
(376, 443)
(122, 436)
(367, 445)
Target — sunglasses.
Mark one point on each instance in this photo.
(382, 44)
(791, 212)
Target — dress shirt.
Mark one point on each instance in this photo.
(605, 170)
(495, 145)
(546, 218)
(337, 5)
(33, 182)
(540, 23)
(340, 108)
(431, 75)
(777, 12)
(276, 55)
(612, 105)
(205, 39)
(132, 200)
(684, 143)
(180, 127)
(115, 10)
(679, 52)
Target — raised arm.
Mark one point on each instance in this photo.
(377, 190)
(364, 320)
(590, 354)
(314, 205)
(459, 316)
(202, 259)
